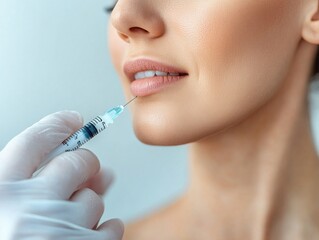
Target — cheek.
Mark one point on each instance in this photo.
(242, 52)
(249, 44)
(229, 39)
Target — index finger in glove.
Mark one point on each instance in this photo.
(24, 153)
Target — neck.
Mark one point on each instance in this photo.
(258, 179)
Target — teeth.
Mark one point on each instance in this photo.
(174, 74)
(148, 74)
(139, 75)
(159, 73)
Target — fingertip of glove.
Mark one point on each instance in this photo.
(75, 114)
(119, 225)
(71, 118)
(114, 227)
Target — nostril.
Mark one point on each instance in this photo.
(138, 30)
(123, 37)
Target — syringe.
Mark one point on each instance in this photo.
(86, 133)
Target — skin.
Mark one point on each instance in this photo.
(243, 111)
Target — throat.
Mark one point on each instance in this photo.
(257, 193)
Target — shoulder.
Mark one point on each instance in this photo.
(156, 226)
(145, 228)
(137, 230)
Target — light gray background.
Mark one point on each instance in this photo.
(54, 56)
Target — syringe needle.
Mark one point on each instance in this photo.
(129, 102)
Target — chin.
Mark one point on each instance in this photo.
(159, 133)
(167, 133)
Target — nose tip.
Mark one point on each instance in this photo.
(132, 21)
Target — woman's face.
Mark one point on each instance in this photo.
(235, 54)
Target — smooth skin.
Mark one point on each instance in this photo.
(243, 111)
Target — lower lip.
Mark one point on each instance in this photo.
(147, 86)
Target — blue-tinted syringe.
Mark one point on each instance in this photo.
(86, 133)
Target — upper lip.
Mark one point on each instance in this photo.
(141, 65)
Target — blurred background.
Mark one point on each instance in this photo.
(54, 56)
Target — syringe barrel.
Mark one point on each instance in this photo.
(86, 133)
(80, 137)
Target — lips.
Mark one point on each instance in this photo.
(148, 77)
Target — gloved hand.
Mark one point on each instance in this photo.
(56, 203)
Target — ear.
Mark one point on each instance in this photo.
(310, 29)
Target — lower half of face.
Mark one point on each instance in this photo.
(236, 54)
